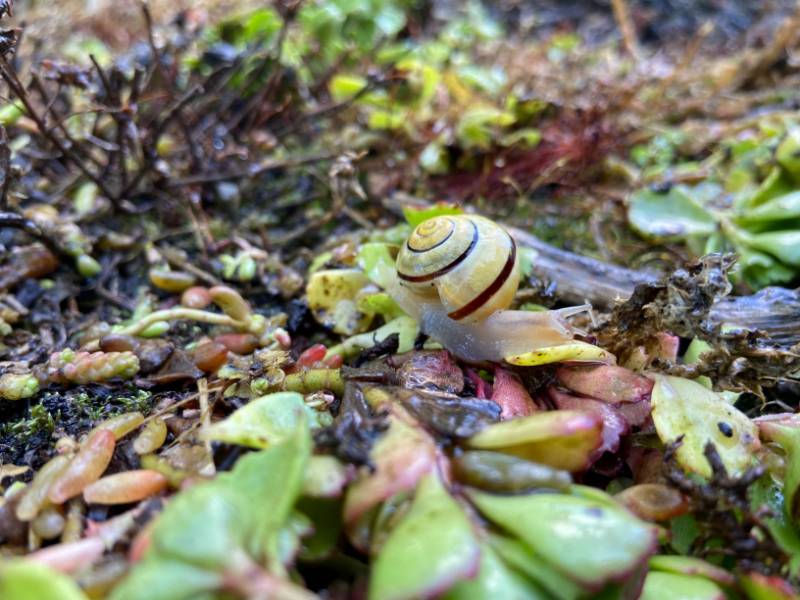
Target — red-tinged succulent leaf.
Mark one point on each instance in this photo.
(564, 439)
(312, 355)
(764, 587)
(689, 565)
(685, 409)
(591, 541)
(653, 501)
(70, 557)
(666, 347)
(635, 413)
(401, 457)
(668, 586)
(511, 395)
(88, 465)
(431, 549)
(125, 487)
(606, 382)
(614, 424)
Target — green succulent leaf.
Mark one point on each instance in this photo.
(261, 422)
(26, 580)
(669, 216)
(667, 586)
(431, 549)
(591, 542)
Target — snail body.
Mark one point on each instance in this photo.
(457, 276)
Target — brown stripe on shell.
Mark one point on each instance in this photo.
(482, 298)
(447, 268)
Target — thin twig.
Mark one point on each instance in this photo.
(9, 75)
(623, 17)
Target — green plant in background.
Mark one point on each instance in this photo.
(752, 207)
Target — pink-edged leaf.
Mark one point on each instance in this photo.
(564, 439)
(614, 424)
(511, 395)
(432, 548)
(400, 457)
(606, 382)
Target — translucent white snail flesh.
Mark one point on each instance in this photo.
(457, 276)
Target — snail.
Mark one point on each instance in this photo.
(457, 276)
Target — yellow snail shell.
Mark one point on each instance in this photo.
(470, 262)
(457, 276)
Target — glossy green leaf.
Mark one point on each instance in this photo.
(405, 327)
(784, 245)
(671, 586)
(216, 527)
(564, 439)
(786, 432)
(343, 87)
(591, 542)
(518, 555)
(776, 184)
(495, 580)
(261, 422)
(690, 565)
(431, 549)
(788, 153)
(416, 215)
(778, 209)
(687, 409)
(671, 216)
(767, 498)
(763, 587)
(375, 259)
(477, 126)
(26, 580)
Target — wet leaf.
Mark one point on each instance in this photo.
(261, 422)
(415, 215)
(763, 587)
(332, 298)
(590, 542)
(689, 565)
(495, 579)
(431, 549)
(563, 439)
(519, 556)
(687, 409)
(785, 430)
(670, 216)
(221, 513)
(26, 580)
(503, 473)
(666, 586)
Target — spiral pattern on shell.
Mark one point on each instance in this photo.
(469, 262)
